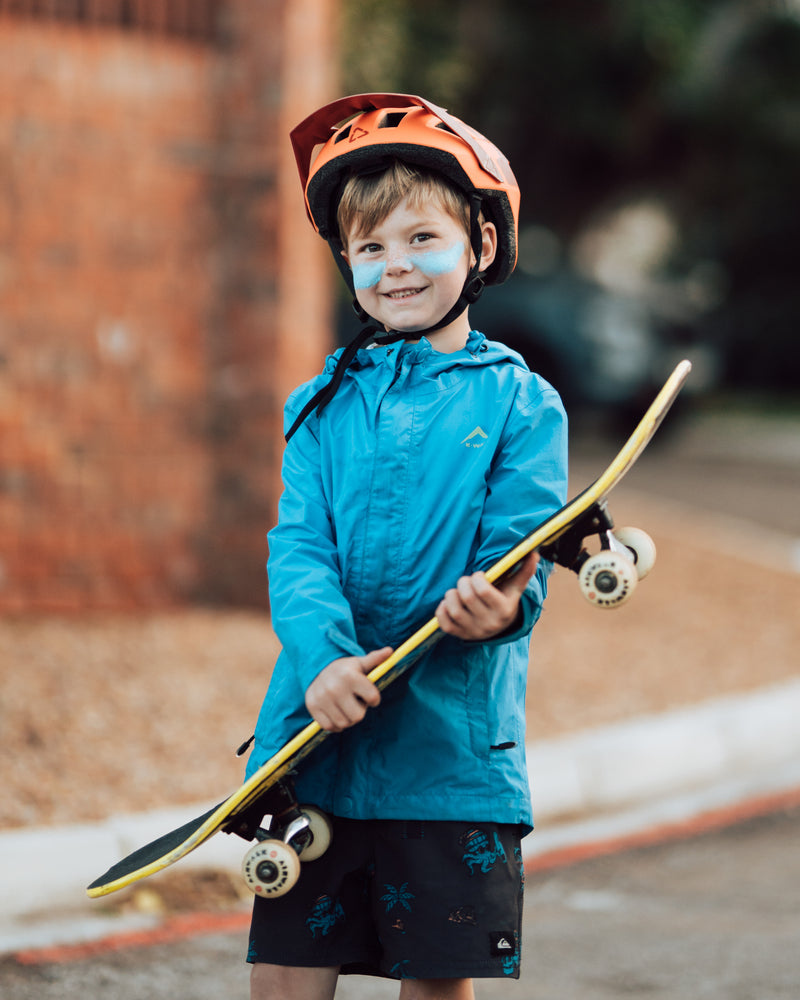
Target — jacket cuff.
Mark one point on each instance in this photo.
(332, 646)
(530, 608)
(528, 614)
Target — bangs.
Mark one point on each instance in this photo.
(368, 199)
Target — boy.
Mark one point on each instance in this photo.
(409, 468)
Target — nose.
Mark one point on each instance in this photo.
(398, 261)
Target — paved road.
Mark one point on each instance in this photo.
(744, 466)
(716, 917)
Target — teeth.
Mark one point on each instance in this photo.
(404, 294)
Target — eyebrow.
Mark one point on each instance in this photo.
(418, 222)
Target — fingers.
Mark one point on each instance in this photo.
(476, 609)
(341, 694)
(473, 609)
(334, 705)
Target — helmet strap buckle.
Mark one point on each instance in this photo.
(473, 289)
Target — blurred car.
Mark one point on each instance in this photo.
(601, 349)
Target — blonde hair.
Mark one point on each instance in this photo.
(367, 199)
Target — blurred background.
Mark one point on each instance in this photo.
(161, 291)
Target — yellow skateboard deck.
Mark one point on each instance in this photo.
(606, 577)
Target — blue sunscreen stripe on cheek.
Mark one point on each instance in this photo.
(437, 262)
(367, 275)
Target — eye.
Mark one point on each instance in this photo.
(423, 238)
(369, 248)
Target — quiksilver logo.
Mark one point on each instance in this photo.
(502, 942)
(476, 439)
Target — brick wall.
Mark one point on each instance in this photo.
(148, 318)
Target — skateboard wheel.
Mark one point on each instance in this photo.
(607, 579)
(270, 868)
(641, 545)
(321, 833)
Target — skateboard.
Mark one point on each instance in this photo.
(265, 809)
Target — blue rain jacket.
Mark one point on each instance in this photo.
(425, 466)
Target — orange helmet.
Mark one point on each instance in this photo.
(356, 133)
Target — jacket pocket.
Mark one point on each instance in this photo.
(477, 667)
(505, 703)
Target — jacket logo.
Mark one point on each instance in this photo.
(476, 439)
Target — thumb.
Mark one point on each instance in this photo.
(371, 660)
(518, 580)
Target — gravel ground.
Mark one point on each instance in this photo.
(112, 714)
(100, 715)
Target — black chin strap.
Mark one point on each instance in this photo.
(321, 398)
(471, 292)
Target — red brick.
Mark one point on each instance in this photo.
(152, 319)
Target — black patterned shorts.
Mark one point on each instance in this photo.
(404, 900)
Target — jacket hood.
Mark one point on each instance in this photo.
(477, 351)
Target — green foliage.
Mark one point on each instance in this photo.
(404, 46)
(693, 102)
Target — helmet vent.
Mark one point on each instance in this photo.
(444, 128)
(343, 134)
(392, 119)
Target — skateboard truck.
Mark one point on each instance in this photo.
(607, 578)
(279, 805)
(293, 833)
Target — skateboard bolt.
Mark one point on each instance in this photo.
(605, 582)
(267, 871)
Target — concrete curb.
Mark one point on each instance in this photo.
(662, 771)
(739, 739)
(602, 785)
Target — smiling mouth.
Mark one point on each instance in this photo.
(403, 293)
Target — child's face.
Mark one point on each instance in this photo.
(410, 269)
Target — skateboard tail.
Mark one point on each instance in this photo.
(149, 859)
(161, 853)
(165, 851)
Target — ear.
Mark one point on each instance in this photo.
(346, 259)
(488, 244)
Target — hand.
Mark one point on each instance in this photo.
(476, 609)
(341, 693)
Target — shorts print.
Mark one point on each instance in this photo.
(402, 899)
